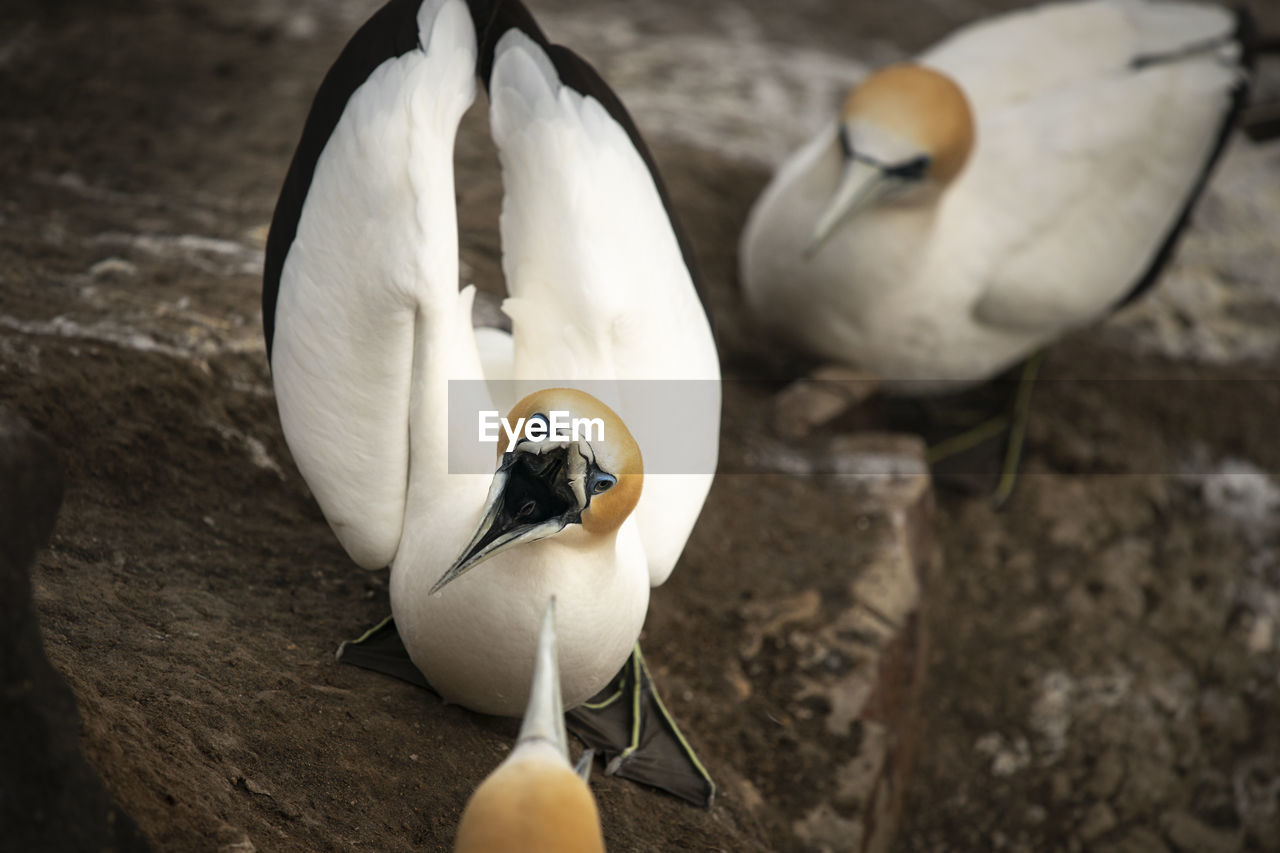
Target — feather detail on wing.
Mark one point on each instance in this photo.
(368, 311)
(1111, 149)
(590, 252)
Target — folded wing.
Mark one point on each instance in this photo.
(1112, 146)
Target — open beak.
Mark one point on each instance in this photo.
(861, 185)
(538, 490)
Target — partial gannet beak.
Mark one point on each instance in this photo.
(862, 185)
(544, 716)
(538, 490)
(534, 800)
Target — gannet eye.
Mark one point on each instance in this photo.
(538, 416)
(604, 482)
(912, 170)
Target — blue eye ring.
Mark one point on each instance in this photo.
(603, 482)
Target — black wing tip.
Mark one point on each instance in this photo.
(389, 32)
(493, 18)
(1247, 36)
(1261, 121)
(392, 31)
(1244, 34)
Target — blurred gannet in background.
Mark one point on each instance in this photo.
(1025, 177)
(366, 328)
(534, 801)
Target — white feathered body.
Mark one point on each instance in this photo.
(371, 327)
(1081, 167)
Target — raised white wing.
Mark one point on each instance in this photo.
(364, 321)
(1111, 147)
(600, 285)
(361, 288)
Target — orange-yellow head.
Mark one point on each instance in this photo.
(575, 463)
(531, 803)
(905, 133)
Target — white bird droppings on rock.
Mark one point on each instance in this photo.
(1008, 756)
(104, 332)
(1239, 491)
(1051, 714)
(208, 254)
(113, 266)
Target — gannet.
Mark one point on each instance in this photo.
(367, 330)
(1024, 177)
(534, 800)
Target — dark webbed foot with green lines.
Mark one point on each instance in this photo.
(626, 723)
(631, 728)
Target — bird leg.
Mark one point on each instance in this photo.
(967, 440)
(1017, 430)
(1013, 423)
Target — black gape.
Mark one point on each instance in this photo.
(537, 489)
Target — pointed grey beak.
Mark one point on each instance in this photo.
(861, 185)
(544, 716)
(538, 491)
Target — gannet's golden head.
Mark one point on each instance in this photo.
(534, 803)
(575, 463)
(534, 800)
(904, 134)
(614, 473)
(923, 108)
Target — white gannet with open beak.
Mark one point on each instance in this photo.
(1022, 178)
(535, 801)
(366, 328)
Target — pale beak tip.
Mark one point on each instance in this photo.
(821, 233)
(815, 243)
(444, 580)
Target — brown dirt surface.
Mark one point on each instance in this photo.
(50, 799)
(1103, 655)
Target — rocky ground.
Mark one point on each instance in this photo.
(1102, 656)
